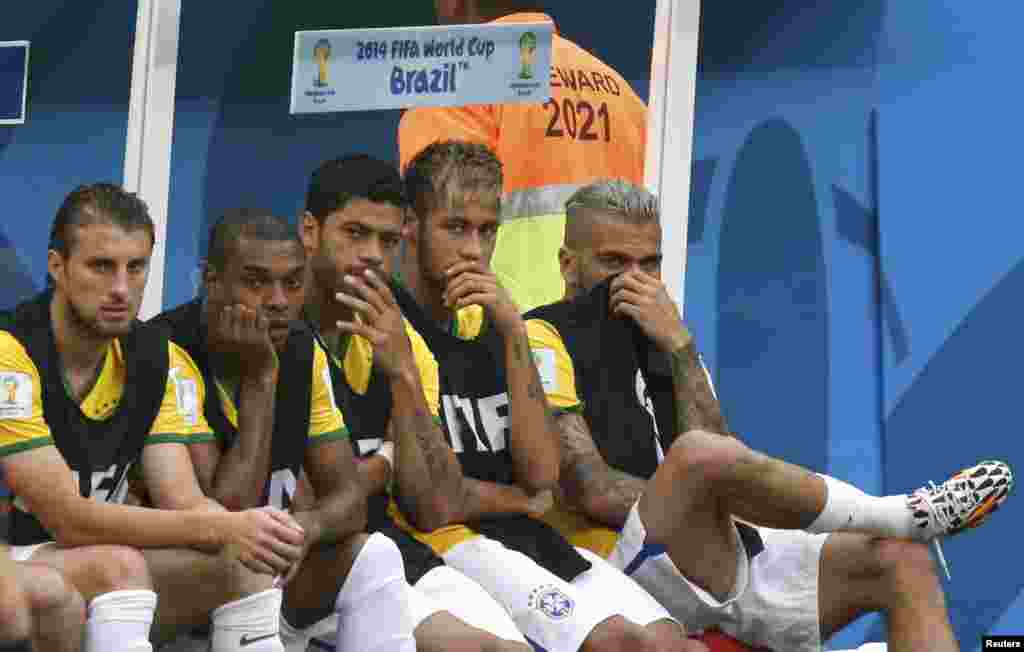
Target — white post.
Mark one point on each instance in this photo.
(147, 159)
(670, 129)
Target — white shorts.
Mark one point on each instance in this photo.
(441, 589)
(446, 589)
(553, 614)
(24, 553)
(773, 604)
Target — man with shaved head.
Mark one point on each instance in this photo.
(653, 478)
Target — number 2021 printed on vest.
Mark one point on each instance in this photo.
(578, 120)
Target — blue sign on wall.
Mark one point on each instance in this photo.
(13, 81)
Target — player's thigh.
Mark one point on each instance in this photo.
(46, 588)
(655, 570)
(680, 513)
(780, 609)
(15, 607)
(549, 611)
(632, 600)
(861, 574)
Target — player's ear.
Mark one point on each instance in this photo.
(211, 280)
(410, 225)
(568, 264)
(54, 264)
(309, 230)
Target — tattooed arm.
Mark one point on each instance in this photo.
(588, 482)
(430, 488)
(428, 477)
(534, 446)
(643, 298)
(535, 449)
(697, 407)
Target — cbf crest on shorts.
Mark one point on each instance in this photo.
(552, 602)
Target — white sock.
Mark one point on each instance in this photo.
(250, 624)
(373, 605)
(848, 509)
(119, 621)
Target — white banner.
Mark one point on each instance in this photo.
(395, 68)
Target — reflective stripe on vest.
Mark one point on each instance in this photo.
(526, 256)
(534, 202)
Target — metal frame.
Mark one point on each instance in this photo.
(670, 130)
(147, 159)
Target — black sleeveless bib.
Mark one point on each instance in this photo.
(474, 418)
(99, 452)
(185, 328)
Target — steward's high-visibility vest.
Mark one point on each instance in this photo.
(593, 127)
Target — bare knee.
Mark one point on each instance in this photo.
(443, 632)
(708, 456)
(233, 578)
(482, 642)
(15, 618)
(669, 637)
(617, 634)
(904, 565)
(492, 643)
(118, 568)
(52, 596)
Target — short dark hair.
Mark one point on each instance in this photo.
(498, 8)
(253, 223)
(442, 169)
(98, 203)
(354, 176)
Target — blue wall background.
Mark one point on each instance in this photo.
(77, 117)
(232, 106)
(854, 264)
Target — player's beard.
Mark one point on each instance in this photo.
(94, 328)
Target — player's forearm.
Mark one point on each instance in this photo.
(374, 472)
(92, 522)
(208, 504)
(535, 451)
(481, 499)
(336, 516)
(588, 482)
(697, 408)
(606, 496)
(428, 477)
(243, 469)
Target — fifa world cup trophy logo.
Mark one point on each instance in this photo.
(10, 390)
(321, 54)
(527, 51)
